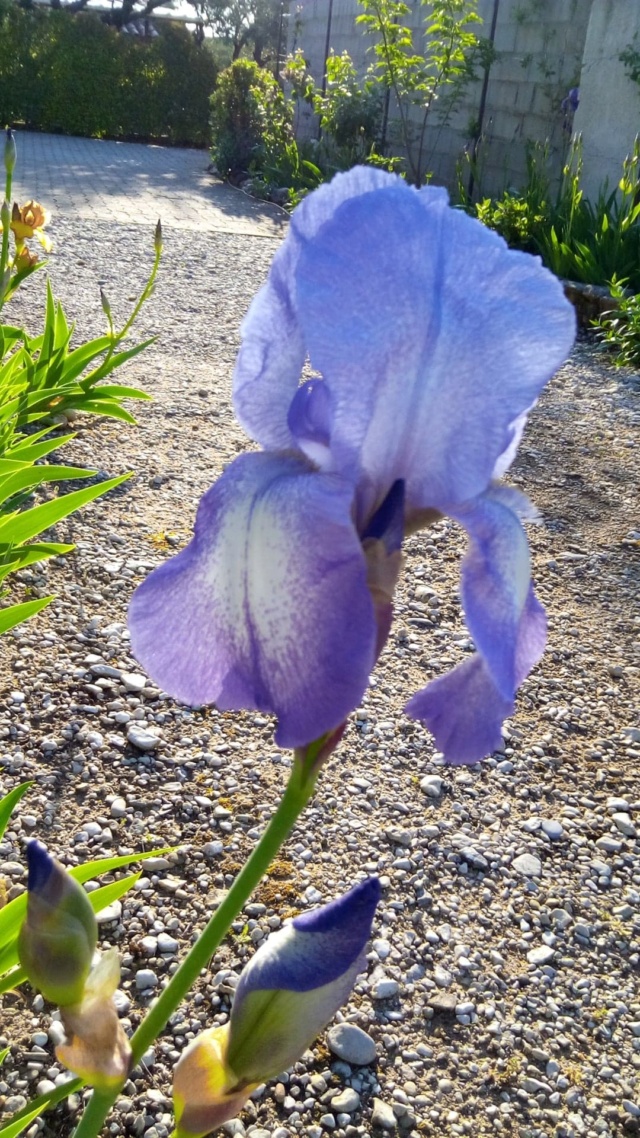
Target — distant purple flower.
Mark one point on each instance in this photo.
(571, 101)
(432, 341)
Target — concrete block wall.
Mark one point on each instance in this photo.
(609, 113)
(540, 45)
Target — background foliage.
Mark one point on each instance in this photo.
(250, 119)
(50, 62)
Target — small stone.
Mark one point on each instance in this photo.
(474, 858)
(624, 824)
(466, 1008)
(384, 989)
(56, 1033)
(146, 979)
(347, 1101)
(142, 739)
(442, 976)
(431, 785)
(234, 1127)
(382, 948)
(631, 1108)
(118, 808)
(554, 830)
(609, 845)
(444, 1002)
(328, 1121)
(111, 912)
(616, 804)
(351, 1044)
(121, 1002)
(541, 955)
(167, 943)
(383, 1115)
(528, 865)
(133, 681)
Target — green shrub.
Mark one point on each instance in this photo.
(620, 328)
(250, 119)
(49, 61)
(589, 242)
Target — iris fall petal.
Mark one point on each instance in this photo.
(267, 608)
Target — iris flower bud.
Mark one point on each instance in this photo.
(10, 152)
(287, 993)
(59, 935)
(157, 239)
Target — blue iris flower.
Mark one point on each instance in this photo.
(431, 341)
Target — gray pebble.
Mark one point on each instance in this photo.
(145, 979)
(142, 739)
(347, 1101)
(351, 1044)
(528, 865)
(383, 1115)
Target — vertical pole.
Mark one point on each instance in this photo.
(483, 98)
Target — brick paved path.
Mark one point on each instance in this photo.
(132, 183)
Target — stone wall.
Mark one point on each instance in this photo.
(540, 45)
(609, 113)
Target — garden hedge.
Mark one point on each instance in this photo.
(76, 75)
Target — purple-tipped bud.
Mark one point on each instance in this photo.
(287, 993)
(157, 239)
(59, 935)
(297, 981)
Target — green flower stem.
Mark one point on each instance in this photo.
(4, 251)
(298, 792)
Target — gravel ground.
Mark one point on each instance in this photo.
(502, 987)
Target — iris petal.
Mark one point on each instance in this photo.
(464, 712)
(316, 947)
(268, 607)
(272, 353)
(495, 584)
(465, 708)
(433, 336)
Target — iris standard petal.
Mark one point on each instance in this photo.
(268, 607)
(309, 420)
(433, 337)
(464, 712)
(271, 356)
(272, 353)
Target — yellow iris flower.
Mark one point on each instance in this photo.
(29, 221)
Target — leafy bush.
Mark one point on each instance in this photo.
(592, 243)
(250, 120)
(620, 328)
(513, 218)
(48, 66)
